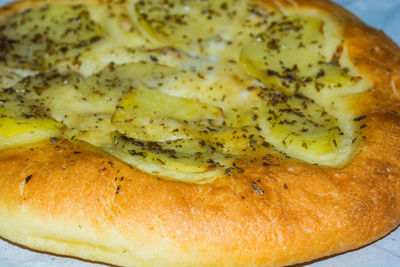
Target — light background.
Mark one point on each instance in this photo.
(382, 14)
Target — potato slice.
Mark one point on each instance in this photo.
(17, 132)
(150, 114)
(127, 76)
(291, 56)
(186, 22)
(39, 38)
(22, 124)
(184, 159)
(300, 128)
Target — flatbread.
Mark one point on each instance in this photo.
(72, 195)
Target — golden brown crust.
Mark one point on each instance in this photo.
(278, 213)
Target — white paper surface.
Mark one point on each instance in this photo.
(382, 14)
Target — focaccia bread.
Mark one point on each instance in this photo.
(196, 133)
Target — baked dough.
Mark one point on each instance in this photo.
(71, 198)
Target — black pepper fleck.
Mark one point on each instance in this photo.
(256, 188)
(360, 118)
(28, 178)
